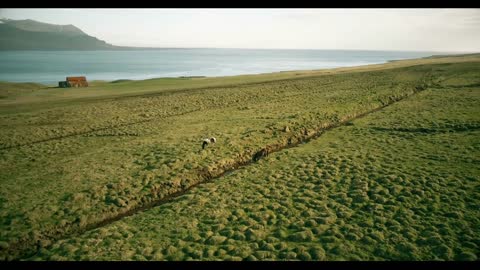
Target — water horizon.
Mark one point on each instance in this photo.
(49, 67)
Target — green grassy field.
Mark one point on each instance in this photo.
(400, 183)
(17, 97)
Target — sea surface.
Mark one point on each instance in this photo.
(49, 67)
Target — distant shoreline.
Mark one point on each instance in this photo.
(21, 96)
(253, 73)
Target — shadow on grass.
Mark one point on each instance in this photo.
(464, 128)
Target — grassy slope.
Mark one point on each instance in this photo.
(399, 184)
(114, 155)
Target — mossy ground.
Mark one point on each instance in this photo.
(400, 183)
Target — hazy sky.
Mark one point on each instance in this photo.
(446, 30)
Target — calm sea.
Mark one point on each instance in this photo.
(49, 67)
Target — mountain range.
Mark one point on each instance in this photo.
(34, 35)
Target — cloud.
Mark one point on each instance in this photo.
(383, 29)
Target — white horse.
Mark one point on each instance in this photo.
(208, 141)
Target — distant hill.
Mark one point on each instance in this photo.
(33, 35)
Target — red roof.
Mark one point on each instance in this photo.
(81, 78)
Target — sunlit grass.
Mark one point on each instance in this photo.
(380, 196)
(318, 201)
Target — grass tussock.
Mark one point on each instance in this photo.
(360, 191)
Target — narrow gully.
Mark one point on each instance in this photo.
(28, 248)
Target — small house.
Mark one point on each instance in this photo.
(74, 82)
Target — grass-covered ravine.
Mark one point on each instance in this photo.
(398, 183)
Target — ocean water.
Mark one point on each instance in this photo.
(49, 67)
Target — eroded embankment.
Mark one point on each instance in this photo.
(163, 192)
